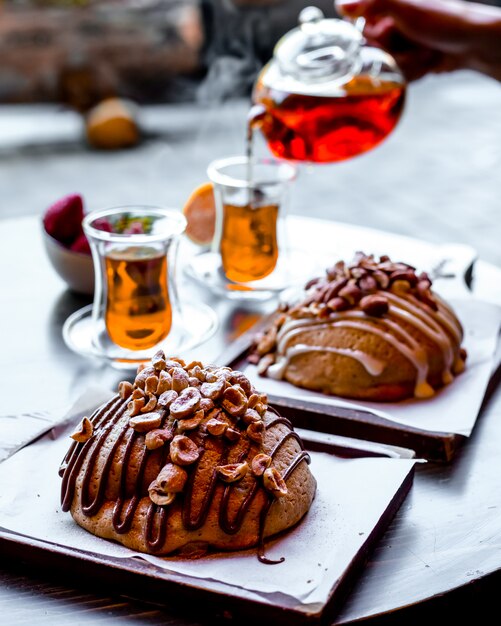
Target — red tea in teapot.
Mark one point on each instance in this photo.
(327, 128)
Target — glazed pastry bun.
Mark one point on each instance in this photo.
(371, 330)
(187, 458)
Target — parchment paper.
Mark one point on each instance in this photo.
(351, 497)
(454, 408)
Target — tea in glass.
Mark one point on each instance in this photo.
(249, 242)
(251, 204)
(133, 250)
(138, 309)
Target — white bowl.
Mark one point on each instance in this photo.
(75, 268)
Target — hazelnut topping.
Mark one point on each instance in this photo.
(235, 401)
(186, 403)
(183, 450)
(159, 361)
(164, 383)
(362, 285)
(260, 463)
(216, 427)
(84, 431)
(146, 422)
(157, 438)
(273, 482)
(374, 305)
(162, 499)
(171, 478)
(151, 384)
(125, 389)
(232, 472)
(202, 402)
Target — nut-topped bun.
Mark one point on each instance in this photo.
(371, 330)
(186, 458)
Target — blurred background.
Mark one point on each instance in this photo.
(188, 67)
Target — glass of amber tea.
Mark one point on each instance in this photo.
(135, 299)
(251, 205)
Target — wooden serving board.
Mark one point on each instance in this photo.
(360, 424)
(456, 273)
(144, 580)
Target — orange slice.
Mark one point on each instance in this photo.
(200, 213)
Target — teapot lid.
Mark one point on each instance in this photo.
(319, 49)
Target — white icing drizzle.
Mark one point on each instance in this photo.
(438, 326)
(447, 318)
(374, 366)
(423, 320)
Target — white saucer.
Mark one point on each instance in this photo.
(293, 269)
(191, 327)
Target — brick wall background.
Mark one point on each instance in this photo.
(131, 48)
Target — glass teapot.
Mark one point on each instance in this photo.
(326, 96)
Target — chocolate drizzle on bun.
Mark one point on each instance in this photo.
(371, 329)
(187, 458)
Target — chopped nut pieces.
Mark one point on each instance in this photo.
(232, 472)
(125, 389)
(364, 276)
(164, 383)
(157, 438)
(151, 384)
(261, 408)
(400, 286)
(134, 407)
(362, 284)
(255, 431)
(338, 304)
(238, 378)
(159, 361)
(234, 401)
(232, 434)
(206, 401)
(251, 416)
(162, 499)
(150, 404)
(351, 293)
(206, 404)
(167, 398)
(171, 478)
(142, 376)
(274, 483)
(146, 422)
(179, 379)
(214, 390)
(84, 431)
(374, 305)
(183, 451)
(260, 463)
(191, 423)
(253, 400)
(216, 427)
(198, 372)
(186, 403)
